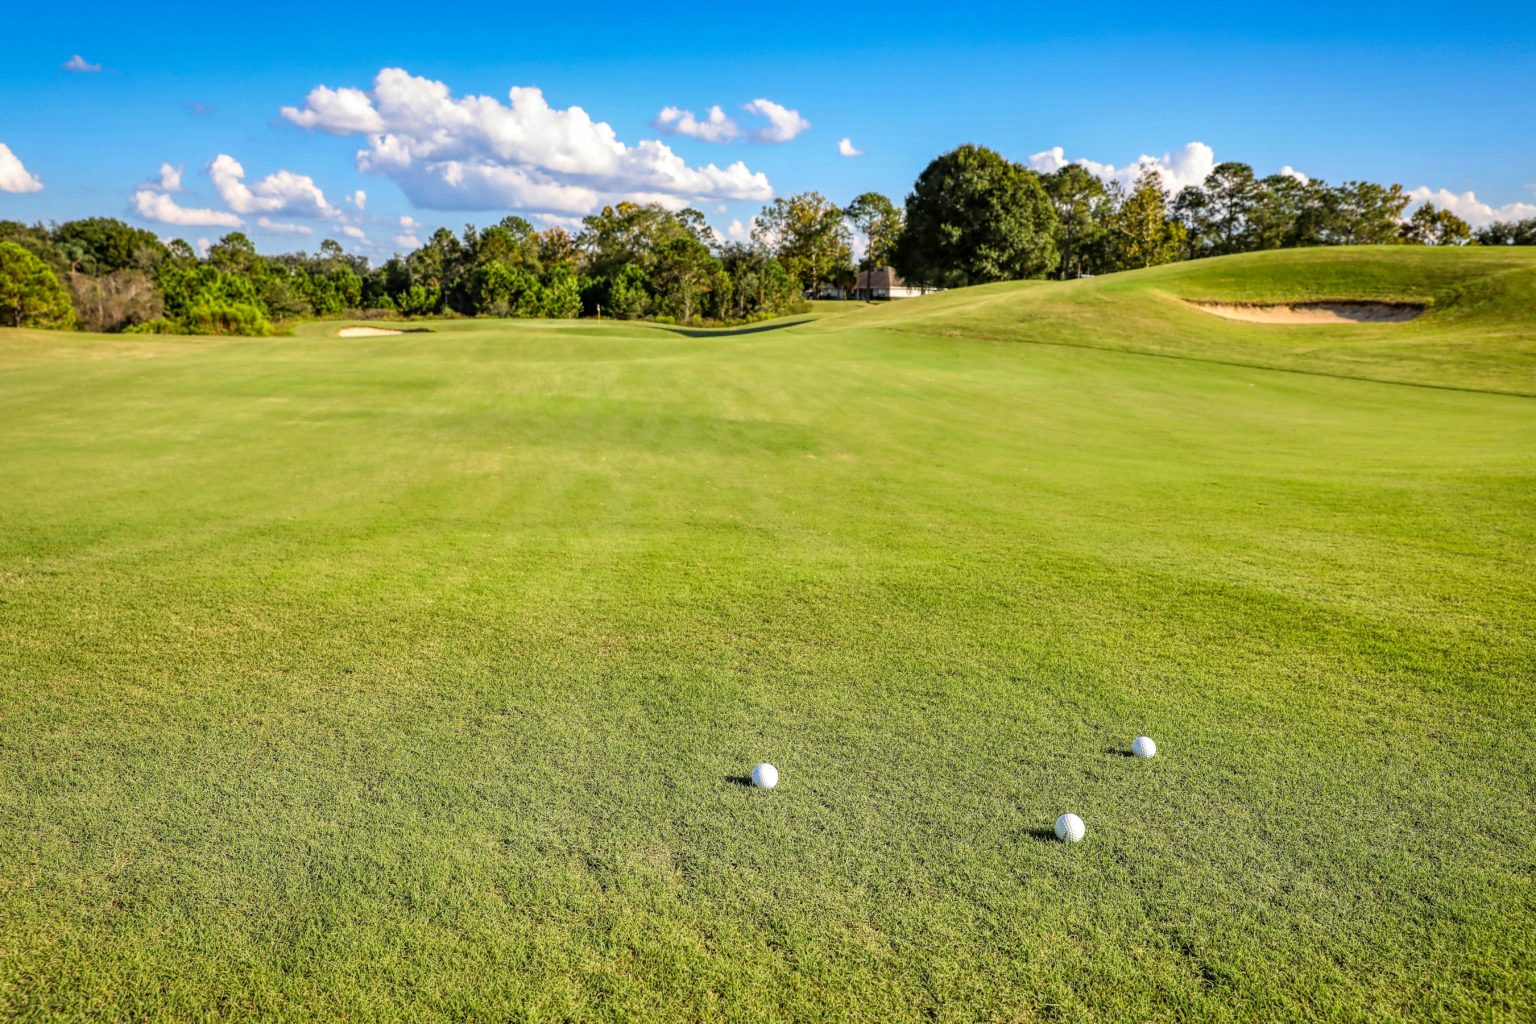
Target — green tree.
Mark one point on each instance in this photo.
(808, 235)
(104, 245)
(1076, 196)
(880, 221)
(1363, 213)
(974, 217)
(1429, 226)
(1516, 232)
(30, 292)
(684, 270)
(1143, 233)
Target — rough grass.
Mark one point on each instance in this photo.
(415, 677)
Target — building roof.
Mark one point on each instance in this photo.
(880, 277)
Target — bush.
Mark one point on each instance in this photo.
(30, 294)
(227, 318)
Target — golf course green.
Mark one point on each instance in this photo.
(418, 677)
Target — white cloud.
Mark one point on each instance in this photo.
(1291, 172)
(477, 153)
(268, 224)
(845, 148)
(1469, 208)
(716, 127)
(295, 195)
(783, 124)
(352, 232)
(203, 245)
(13, 176)
(737, 231)
(152, 205)
(407, 241)
(79, 65)
(170, 178)
(1187, 166)
(344, 111)
(358, 199)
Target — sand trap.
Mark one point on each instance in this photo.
(1315, 312)
(365, 332)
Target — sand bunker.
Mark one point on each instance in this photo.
(365, 332)
(1315, 312)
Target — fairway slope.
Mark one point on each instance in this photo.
(1478, 329)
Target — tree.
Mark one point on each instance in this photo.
(103, 245)
(974, 217)
(30, 293)
(1076, 196)
(806, 233)
(1363, 213)
(1429, 226)
(1518, 232)
(880, 221)
(1142, 233)
(115, 301)
(684, 269)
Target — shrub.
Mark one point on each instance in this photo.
(30, 294)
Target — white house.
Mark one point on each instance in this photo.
(882, 283)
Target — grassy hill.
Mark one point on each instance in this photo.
(416, 677)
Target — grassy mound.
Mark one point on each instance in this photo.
(412, 678)
(1479, 331)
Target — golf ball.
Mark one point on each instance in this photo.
(1144, 747)
(1070, 828)
(765, 776)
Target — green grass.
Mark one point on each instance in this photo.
(413, 678)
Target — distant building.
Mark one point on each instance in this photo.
(883, 283)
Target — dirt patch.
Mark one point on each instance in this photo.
(365, 332)
(1315, 312)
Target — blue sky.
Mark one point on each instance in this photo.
(1436, 98)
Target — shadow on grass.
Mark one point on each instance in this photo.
(1118, 752)
(731, 332)
(1042, 835)
(739, 780)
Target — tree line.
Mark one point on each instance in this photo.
(972, 217)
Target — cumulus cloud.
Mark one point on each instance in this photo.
(158, 206)
(203, 245)
(268, 224)
(406, 241)
(477, 153)
(716, 127)
(1291, 172)
(1187, 166)
(353, 232)
(845, 148)
(79, 65)
(783, 124)
(358, 199)
(13, 176)
(170, 178)
(283, 192)
(1469, 208)
(344, 111)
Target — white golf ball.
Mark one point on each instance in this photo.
(765, 776)
(1144, 747)
(1070, 828)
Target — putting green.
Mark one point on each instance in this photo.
(417, 677)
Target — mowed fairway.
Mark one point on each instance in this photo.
(416, 677)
